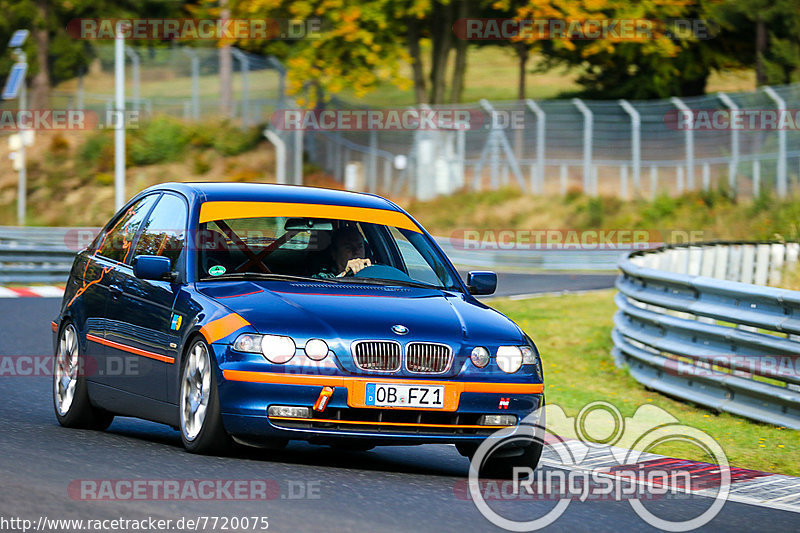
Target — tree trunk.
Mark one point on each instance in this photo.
(460, 65)
(523, 53)
(761, 49)
(441, 34)
(420, 89)
(225, 69)
(40, 86)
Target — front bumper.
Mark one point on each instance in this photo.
(245, 396)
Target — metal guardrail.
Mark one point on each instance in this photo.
(699, 323)
(36, 255)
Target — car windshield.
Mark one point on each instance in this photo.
(292, 248)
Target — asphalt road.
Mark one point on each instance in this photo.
(387, 489)
(522, 283)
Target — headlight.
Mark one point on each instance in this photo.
(316, 349)
(480, 356)
(509, 358)
(277, 348)
(248, 342)
(528, 357)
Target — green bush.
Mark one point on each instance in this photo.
(160, 140)
(95, 151)
(233, 141)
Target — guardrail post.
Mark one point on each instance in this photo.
(636, 148)
(562, 177)
(706, 176)
(541, 121)
(689, 139)
(588, 125)
(781, 104)
(733, 165)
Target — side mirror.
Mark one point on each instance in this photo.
(153, 267)
(481, 282)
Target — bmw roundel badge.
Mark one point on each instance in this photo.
(400, 329)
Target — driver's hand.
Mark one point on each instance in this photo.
(356, 265)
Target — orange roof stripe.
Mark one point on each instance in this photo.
(225, 210)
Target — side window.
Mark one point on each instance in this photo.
(164, 232)
(116, 242)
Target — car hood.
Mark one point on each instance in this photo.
(342, 313)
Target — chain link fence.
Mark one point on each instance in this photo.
(621, 148)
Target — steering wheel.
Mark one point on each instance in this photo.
(383, 272)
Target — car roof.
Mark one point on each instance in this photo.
(270, 192)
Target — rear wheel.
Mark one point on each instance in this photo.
(201, 421)
(70, 395)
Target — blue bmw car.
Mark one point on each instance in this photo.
(259, 314)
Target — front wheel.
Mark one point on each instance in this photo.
(70, 394)
(201, 421)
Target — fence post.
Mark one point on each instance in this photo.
(563, 179)
(706, 176)
(134, 57)
(689, 121)
(636, 143)
(195, 62)
(653, 181)
(733, 165)
(588, 125)
(371, 180)
(280, 155)
(541, 121)
(756, 178)
(623, 179)
(244, 67)
(781, 185)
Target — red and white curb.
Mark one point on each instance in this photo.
(764, 489)
(38, 291)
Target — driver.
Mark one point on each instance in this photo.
(347, 254)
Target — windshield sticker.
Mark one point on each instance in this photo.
(217, 270)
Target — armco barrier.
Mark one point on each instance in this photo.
(699, 323)
(44, 255)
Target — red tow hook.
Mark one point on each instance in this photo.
(322, 401)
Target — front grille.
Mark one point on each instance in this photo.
(428, 357)
(378, 421)
(382, 356)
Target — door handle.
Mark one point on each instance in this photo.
(115, 290)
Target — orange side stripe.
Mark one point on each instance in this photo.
(54, 326)
(222, 210)
(131, 349)
(340, 381)
(222, 327)
(414, 424)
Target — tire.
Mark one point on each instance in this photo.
(201, 426)
(501, 464)
(70, 392)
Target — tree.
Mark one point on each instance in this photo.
(671, 58)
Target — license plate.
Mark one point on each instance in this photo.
(395, 395)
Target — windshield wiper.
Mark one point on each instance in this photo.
(265, 276)
(384, 281)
